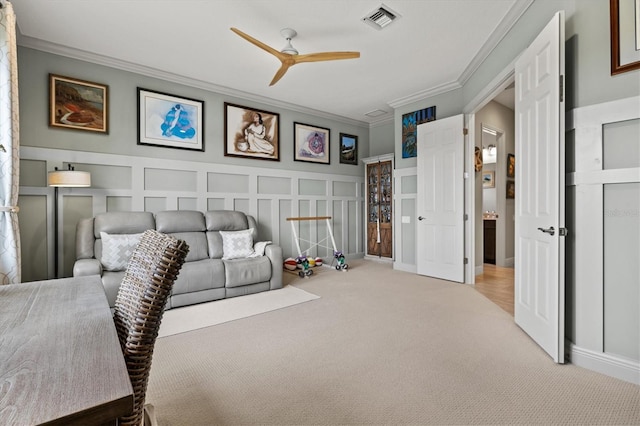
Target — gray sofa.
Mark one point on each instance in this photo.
(218, 265)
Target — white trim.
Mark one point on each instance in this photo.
(505, 25)
(424, 94)
(594, 116)
(406, 267)
(611, 365)
(512, 16)
(346, 209)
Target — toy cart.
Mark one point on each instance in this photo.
(302, 258)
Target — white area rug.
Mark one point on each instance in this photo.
(187, 318)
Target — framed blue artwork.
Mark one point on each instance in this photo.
(170, 121)
(410, 122)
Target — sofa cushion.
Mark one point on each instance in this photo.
(237, 244)
(199, 275)
(225, 220)
(197, 242)
(252, 270)
(123, 223)
(172, 221)
(117, 249)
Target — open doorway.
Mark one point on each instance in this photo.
(494, 216)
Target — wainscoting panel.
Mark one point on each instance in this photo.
(124, 183)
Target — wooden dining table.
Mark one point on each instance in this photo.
(60, 358)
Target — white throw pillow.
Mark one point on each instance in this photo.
(237, 244)
(117, 249)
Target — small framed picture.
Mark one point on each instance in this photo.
(511, 165)
(311, 143)
(511, 189)
(251, 133)
(170, 121)
(78, 104)
(489, 179)
(348, 149)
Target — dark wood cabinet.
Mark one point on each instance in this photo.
(379, 201)
(489, 241)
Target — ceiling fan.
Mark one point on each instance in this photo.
(289, 55)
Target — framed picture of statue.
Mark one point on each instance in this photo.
(170, 121)
(251, 133)
(311, 143)
(78, 104)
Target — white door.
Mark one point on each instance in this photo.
(440, 198)
(539, 251)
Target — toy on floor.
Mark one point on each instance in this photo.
(304, 262)
(342, 265)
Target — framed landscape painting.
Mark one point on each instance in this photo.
(78, 104)
(311, 143)
(489, 179)
(348, 149)
(170, 121)
(251, 133)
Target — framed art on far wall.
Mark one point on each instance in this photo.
(511, 165)
(251, 133)
(78, 104)
(511, 189)
(170, 121)
(348, 149)
(489, 179)
(311, 143)
(410, 122)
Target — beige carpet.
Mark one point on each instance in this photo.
(188, 318)
(379, 347)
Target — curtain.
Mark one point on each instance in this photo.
(10, 264)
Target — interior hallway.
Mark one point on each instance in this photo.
(496, 284)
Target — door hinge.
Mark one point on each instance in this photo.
(466, 260)
(562, 88)
(465, 132)
(466, 216)
(563, 232)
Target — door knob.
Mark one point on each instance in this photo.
(549, 231)
(421, 218)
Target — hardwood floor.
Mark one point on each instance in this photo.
(496, 284)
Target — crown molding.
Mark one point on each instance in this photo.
(517, 10)
(82, 55)
(424, 94)
(505, 25)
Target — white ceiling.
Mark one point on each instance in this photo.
(432, 47)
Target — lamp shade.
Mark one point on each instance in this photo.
(69, 179)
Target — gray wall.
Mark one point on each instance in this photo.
(128, 176)
(588, 83)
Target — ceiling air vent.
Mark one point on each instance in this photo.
(381, 17)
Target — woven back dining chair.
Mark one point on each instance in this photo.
(143, 294)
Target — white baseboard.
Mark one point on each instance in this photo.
(406, 267)
(620, 368)
(509, 262)
(479, 269)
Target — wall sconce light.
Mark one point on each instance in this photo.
(69, 178)
(489, 153)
